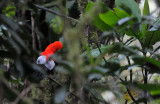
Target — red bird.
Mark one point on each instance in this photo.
(50, 50)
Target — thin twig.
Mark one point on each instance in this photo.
(143, 72)
(155, 51)
(131, 74)
(62, 85)
(150, 77)
(126, 101)
(129, 40)
(53, 12)
(1, 93)
(33, 33)
(22, 94)
(131, 96)
(101, 52)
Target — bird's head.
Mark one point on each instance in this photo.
(57, 45)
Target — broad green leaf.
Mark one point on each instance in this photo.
(155, 92)
(130, 6)
(101, 25)
(146, 12)
(95, 52)
(142, 60)
(112, 17)
(97, 21)
(109, 18)
(57, 24)
(89, 6)
(149, 87)
(151, 38)
(126, 20)
(117, 48)
(112, 66)
(121, 49)
(151, 64)
(145, 87)
(120, 13)
(10, 10)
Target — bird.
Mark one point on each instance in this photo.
(44, 58)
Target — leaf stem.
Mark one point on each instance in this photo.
(131, 73)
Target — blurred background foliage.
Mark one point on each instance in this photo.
(110, 52)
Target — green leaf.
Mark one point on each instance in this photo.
(101, 25)
(142, 60)
(150, 63)
(95, 52)
(57, 24)
(155, 92)
(146, 12)
(97, 21)
(151, 38)
(10, 10)
(120, 13)
(89, 6)
(118, 48)
(149, 87)
(130, 6)
(109, 18)
(121, 49)
(145, 87)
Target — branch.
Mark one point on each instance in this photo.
(154, 51)
(131, 69)
(101, 52)
(53, 12)
(22, 94)
(129, 40)
(1, 93)
(62, 85)
(131, 96)
(33, 33)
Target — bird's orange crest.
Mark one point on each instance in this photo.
(52, 48)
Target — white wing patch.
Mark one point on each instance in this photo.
(50, 64)
(41, 60)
